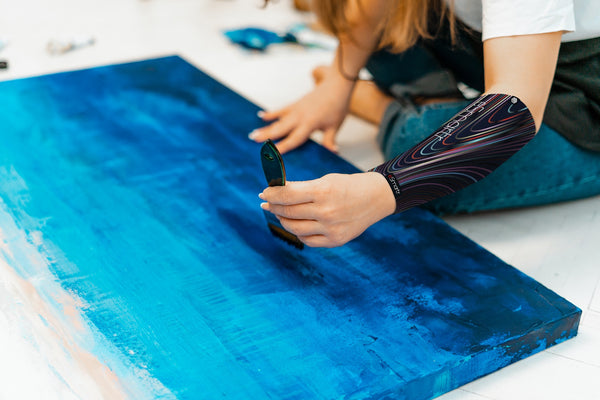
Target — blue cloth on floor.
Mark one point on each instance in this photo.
(257, 38)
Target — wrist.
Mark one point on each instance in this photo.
(335, 85)
(352, 75)
(382, 194)
(339, 80)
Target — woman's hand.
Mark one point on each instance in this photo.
(332, 210)
(322, 109)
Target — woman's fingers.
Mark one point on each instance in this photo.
(329, 140)
(276, 130)
(294, 139)
(317, 241)
(302, 227)
(291, 194)
(271, 115)
(298, 211)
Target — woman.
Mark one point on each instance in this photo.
(425, 46)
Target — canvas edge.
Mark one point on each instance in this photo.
(494, 358)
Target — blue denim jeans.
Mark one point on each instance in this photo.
(548, 169)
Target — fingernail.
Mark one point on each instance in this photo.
(253, 135)
(260, 114)
(264, 206)
(261, 195)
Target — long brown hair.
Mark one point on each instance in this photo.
(405, 21)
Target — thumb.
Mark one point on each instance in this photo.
(329, 140)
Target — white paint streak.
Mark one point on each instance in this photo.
(46, 342)
(40, 358)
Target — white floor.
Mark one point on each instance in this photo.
(556, 245)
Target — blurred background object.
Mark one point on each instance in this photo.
(302, 5)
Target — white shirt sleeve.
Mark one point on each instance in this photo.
(525, 17)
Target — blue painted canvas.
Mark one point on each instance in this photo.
(128, 204)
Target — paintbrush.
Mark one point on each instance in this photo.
(274, 170)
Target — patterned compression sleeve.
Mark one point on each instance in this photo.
(463, 151)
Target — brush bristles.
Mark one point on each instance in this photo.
(279, 231)
(284, 235)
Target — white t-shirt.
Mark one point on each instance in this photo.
(498, 18)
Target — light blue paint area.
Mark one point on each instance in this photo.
(137, 184)
(32, 261)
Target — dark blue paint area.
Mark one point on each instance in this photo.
(141, 178)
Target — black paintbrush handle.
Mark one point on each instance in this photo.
(272, 164)
(274, 170)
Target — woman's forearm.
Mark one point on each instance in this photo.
(461, 152)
